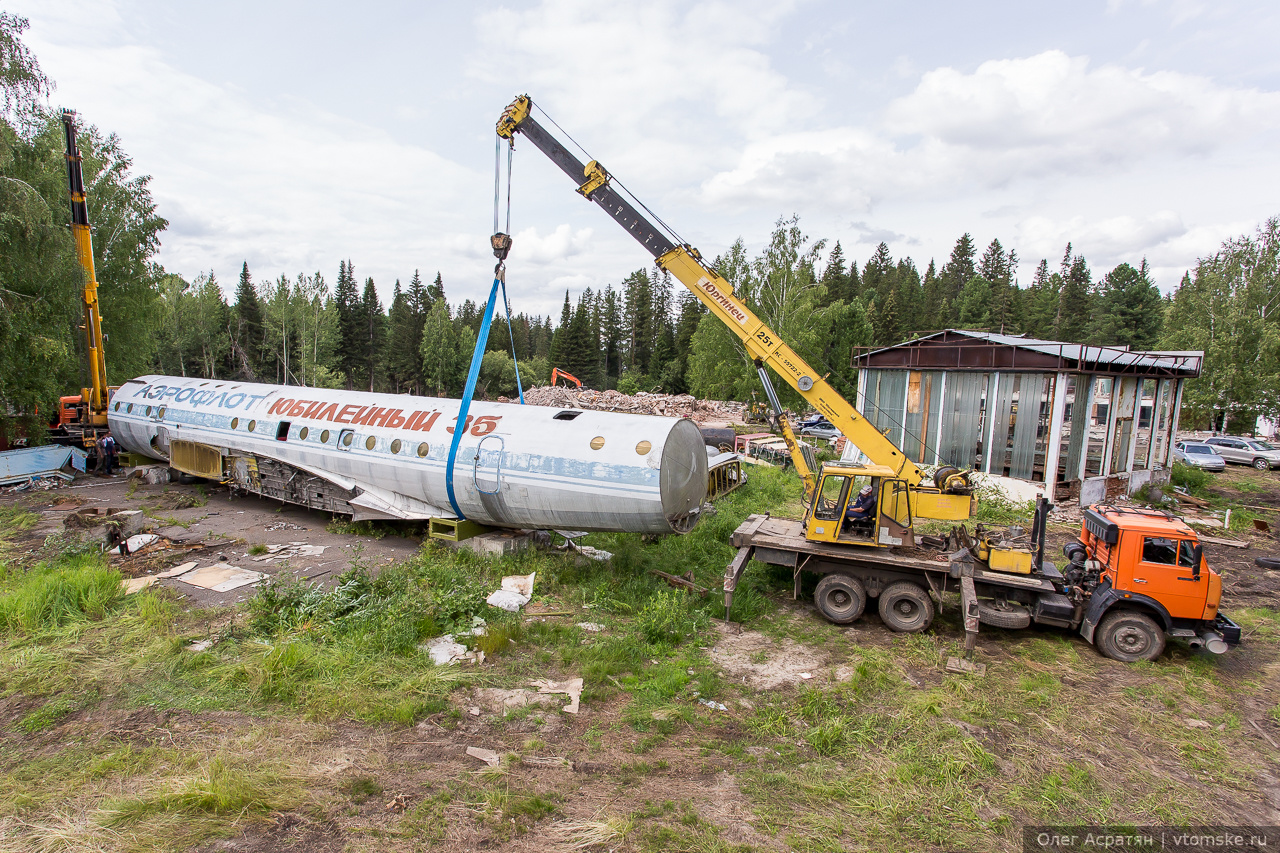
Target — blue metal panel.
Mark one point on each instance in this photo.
(27, 462)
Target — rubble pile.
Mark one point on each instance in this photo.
(642, 403)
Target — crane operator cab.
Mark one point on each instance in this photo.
(865, 505)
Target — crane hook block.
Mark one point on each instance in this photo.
(517, 112)
(501, 245)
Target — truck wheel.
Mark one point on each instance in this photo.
(1261, 464)
(1003, 614)
(840, 598)
(1267, 562)
(1128, 636)
(906, 607)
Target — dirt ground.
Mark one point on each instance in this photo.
(221, 529)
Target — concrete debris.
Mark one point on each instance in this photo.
(221, 578)
(715, 706)
(292, 549)
(1197, 724)
(446, 650)
(498, 543)
(488, 756)
(546, 761)
(152, 475)
(200, 645)
(593, 627)
(643, 403)
(572, 687)
(284, 525)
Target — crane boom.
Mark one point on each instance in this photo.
(765, 347)
(96, 395)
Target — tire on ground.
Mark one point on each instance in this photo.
(1003, 614)
(1128, 636)
(1267, 562)
(906, 607)
(840, 598)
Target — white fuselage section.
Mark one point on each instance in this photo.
(517, 466)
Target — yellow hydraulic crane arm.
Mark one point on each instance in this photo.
(96, 394)
(685, 263)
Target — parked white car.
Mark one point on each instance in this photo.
(1246, 451)
(1199, 455)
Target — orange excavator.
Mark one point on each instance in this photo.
(557, 374)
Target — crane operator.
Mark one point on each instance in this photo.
(862, 508)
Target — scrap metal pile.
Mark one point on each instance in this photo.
(642, 403)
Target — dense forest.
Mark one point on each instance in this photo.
(643, 332)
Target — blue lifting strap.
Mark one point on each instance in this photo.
(512, 334)
(461, 425)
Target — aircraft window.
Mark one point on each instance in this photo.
(253, 425)
(303, 433)
(117, 407)
(160, 414)
(346, 437)
(395, 446)
(235, 423)
(282, 431)
(370, 443)
(644, 447)
(148, 411)
(423, 449)
(566, 415)
(324, 437)
(129, 410)
(597, 442)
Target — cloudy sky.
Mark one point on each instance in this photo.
(296, 134)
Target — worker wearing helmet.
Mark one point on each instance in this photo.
(863, 507)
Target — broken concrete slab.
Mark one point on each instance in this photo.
(488, 756)
(132, 585)
(572, 687)
(498, 543)
(180, 569)
(221, 578)
(960, 665)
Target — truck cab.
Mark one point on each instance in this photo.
(886, 524)
(1151, 576)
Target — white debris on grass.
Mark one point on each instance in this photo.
(132, 585)
(136, 543)
(221, 578)
(572, 687)
(515, 593)
(592, 627)
(446, 650)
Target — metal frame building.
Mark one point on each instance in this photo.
(1084, 422)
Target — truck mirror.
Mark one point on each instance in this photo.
(1197, 557)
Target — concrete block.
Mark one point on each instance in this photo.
(1093, 490)
(1137, 479)
(498, 543)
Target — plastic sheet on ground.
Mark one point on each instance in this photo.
(572, 687)
(446, 650)
(515, 592)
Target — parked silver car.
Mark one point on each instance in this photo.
(1246, 451)
(1199, 455)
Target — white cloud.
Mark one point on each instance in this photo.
(558, 246)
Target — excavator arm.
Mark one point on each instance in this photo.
(765, 347)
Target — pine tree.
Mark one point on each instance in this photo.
(248, 336)
(559, 338)
(1074, 299)
(886, 321)
(877, 273)
(1131, 312)
(435, 292)
(347, 301)
(957, 271)
(638, 309)
(975, 304)
(835, 277)
(374, 337)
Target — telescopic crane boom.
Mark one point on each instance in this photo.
(95, 397)
(947, 500)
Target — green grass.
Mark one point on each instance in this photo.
(53, 594)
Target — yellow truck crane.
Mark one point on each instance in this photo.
(1132, 579)
(901, 490)
(81, 419)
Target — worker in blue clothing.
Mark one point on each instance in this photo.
(863, 507)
